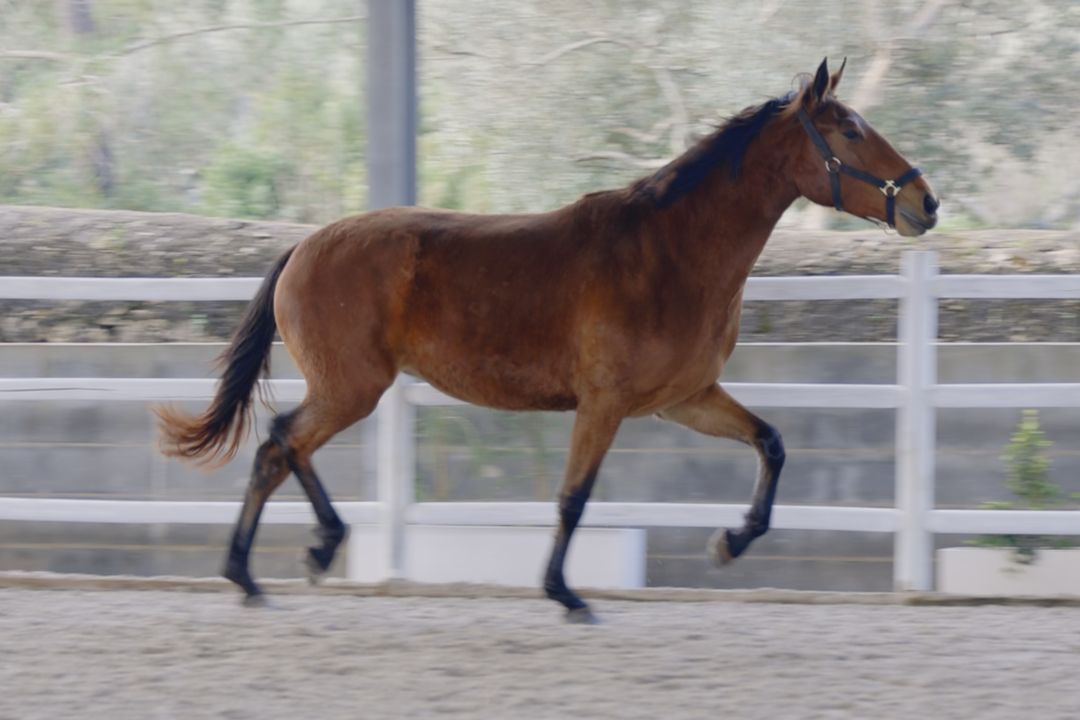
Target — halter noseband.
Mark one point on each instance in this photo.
(889, 188)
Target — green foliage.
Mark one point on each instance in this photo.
(1028, 468)
(156, 110)
(243, 182)
(1027, 477)
(525, 106)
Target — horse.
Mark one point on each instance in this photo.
(622, 304)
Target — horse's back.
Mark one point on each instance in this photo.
(451, 297)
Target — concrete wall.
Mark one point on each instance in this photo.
(834, 457)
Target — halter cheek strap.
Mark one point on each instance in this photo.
(889, 188)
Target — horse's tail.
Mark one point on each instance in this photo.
(213, 437)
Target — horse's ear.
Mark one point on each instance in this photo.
(835, 79)
(821, 82)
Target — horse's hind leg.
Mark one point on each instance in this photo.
(331, 529)
(593, 434)
(299, 434)
(267, 473)
(713, 412)
(293, 438)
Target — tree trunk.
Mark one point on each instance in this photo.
(76, 17)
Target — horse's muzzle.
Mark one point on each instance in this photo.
(918, 219)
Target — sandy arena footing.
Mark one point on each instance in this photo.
(86, 647)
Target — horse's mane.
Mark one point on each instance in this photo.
(726, 146)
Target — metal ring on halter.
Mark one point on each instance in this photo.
(890, 185)
(836, 160)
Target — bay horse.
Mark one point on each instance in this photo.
(623, 304)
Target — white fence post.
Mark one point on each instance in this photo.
(915, 422)
(395, 472)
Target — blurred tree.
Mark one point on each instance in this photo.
(256, 106)
(151, 110)
(973, 91)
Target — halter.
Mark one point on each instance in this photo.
(889, 188)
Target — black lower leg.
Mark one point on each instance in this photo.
(267, 473)
(331, 530)
(571, 508)
(771, 449)
(236, 563)
(322, 555)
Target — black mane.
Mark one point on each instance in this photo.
(725, 146)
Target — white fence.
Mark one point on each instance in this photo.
(915, 396)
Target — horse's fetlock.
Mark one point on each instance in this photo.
(333, 533)
(319, 558)
(236, 571)
(735, 543)
(757, 523)
(555, 589)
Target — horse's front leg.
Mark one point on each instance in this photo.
(593, 433)
(713, 412)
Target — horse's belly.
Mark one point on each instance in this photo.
(503, 386)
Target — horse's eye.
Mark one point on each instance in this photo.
(851, 134)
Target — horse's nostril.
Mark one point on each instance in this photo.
(930, 204)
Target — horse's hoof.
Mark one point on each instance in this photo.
(718, 550)
(258, 600)
(315, 570)
(581, 616)
(241, 577)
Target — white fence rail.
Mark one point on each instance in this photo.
(915, 396)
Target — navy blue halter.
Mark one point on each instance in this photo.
(889, 188)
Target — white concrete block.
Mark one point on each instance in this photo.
(517, 556)
(991, 572)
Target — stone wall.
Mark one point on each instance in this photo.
(73, 243)
(94, 243)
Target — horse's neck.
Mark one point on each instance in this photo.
(729, 220)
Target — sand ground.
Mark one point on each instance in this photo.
(168, 654)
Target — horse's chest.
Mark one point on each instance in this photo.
(701, 355)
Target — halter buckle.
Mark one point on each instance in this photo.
(830, 168)
(890, 185)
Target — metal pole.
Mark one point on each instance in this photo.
(391, 101)
(915, 423)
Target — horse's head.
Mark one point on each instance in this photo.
(844, 162)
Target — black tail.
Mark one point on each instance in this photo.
(213, 437)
